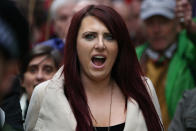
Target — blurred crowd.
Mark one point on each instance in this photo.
(41, 27)
(46, 18)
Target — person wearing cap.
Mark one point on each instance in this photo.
(168, 57)
(14, 44)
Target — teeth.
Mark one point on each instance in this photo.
(99, 57)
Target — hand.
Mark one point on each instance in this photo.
(184, 13)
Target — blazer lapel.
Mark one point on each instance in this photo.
(134, 119)
(55, 107)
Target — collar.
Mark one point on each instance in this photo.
(156, 56)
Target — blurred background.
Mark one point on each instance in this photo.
(49, 21)
(42, 28)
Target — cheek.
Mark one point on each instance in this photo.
(172, 31)
(148, 32)
(83, 50)
(28, 80)
(59, 25)
(49, 76)
(114, 51)
(114, 48)
(28, 83)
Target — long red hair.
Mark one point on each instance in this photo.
(126, 71)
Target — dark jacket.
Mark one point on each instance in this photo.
(11, 106)
(185, 116)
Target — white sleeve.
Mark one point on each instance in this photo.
(153, 95)
(2, 118)
(34, 106)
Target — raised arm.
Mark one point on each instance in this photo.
(184, 15)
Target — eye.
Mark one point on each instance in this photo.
(149, 22)
(32, 69)
(63, 18)
(89, 36)
(108, 36)
(48, 69)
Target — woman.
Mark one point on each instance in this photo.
(102, 85)
(40, 65)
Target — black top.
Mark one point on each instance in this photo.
(119, 127)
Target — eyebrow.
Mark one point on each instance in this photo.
(46, 57)
(93, 32)
(86, 32)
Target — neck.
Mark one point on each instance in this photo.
(97, 87)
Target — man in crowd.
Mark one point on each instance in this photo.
(168, 57)
(61, 12)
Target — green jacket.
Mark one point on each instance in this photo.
(180, 72)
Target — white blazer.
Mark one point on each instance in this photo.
(49, 110)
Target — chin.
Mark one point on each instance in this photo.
(159, 49)
(99, 76)
(160, 46)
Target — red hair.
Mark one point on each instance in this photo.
(126, 71)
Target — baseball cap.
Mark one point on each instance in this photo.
(164, 8)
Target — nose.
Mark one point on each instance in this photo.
(40, 76)
(156, 27)
(100, 45)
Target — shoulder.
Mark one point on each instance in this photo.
(37, 96)
(134, 113)
(149, 85)
(35, 105)
(40, 90)
(153, 95)
(37, 99)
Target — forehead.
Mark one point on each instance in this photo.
(158, 18)
(41, 60)
(91, 23)
(65, 9)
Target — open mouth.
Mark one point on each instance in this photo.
(98, 60)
